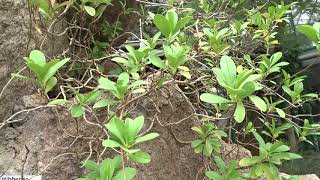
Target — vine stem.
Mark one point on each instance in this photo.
(11, 79)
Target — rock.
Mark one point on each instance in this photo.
(14, 41)
(46, 141)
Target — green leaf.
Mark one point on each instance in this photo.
(208, 148)
(172, 18)
(38, 70)
(110, 143)
(76, 110)
(279, 147)
(213, 99)
(38, 57)
(106, 84)
(117, 129)
(281, 112)
(220, 133)
(220, 163)
(298, 87)
(52, 67)
(146, 137)
(250, 161)
(140, 157)
(181, 23)
(275, 58)
(91, 165)
(186, 74)
(121, 60)
(259, 139)
(123, 79)
(129, 174)
(288, 91)
(162, 24)
(240, 112)
(103, 103)
(214, 175)
(50, 84)
(134, 126)
(139, 90)
(90, 10)
(42, 4)
(137, 83)
(259, 103)
(156, 61)
(58, 102)
(91, 96)
(196, 143)
(309, 31)
(229, 69)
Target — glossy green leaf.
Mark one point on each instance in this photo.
(156, 61)
(91, 96)
(259, 103)
(103, 103)
(76, 110)
(309, 31)
(229, 69)
(140, 157)
(161, 23)
(280, 112)
(50, 84)
(38, 57)
(117, 129)
(240, 112)
(146, 137)
(134, 126)
(58, 102)
(181, 23)
(91, 165)
(250, 161)
(214, 175)
(90, 10)
(130, 173)
(110, 143)
(213, 99)
(52, 67)
(106, 84)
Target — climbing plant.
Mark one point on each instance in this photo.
(225, 53)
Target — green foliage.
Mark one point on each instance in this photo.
(169, 24)
(120, 88)
(125, 135)
(216, 40)
(93, 7)
(275, 131)
(209, 139)
(200, 59)
(270, 155)
(43, 70)
(296, 93)
(176, 56)
(267, 22)
(135, 62)
(108, 169)
(272, 64)
(238, 86)
(312, 32)
(225, 172)
(78, 109)
(42, 4)
(308, 130)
